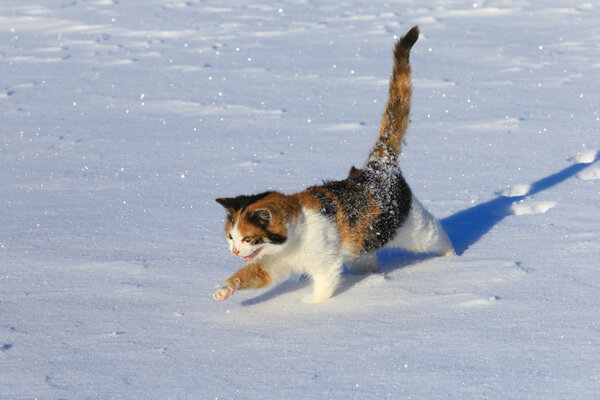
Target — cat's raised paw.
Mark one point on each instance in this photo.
(224, 292)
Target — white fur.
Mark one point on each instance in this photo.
(422, 233)
(237, 243)
(313, 247)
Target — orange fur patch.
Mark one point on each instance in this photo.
(394, 121)
(281, 209)
(251, 276)
(308, 201)
(229, 221)
(353, 237)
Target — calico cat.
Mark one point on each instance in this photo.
(316, 231)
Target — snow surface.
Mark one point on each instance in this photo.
(123, 120)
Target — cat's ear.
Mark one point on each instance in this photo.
(231, 204)
(261, 217)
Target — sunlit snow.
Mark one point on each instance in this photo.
(123, 120)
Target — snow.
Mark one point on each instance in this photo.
(123, 120)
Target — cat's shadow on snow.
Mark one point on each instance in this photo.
(389, 259)
(464, 228)
(287, 286)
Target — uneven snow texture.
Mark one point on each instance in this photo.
(122, 120)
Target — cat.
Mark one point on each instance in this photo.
(316, 231)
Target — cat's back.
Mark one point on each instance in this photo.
(367, 207)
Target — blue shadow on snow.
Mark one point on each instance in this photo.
(466, 227)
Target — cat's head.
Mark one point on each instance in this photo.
(257, 225)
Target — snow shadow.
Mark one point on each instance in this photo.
(466, 227)
(387, 260)
(288, 286)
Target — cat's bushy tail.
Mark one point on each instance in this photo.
(394, 121)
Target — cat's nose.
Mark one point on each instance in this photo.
(236, 252)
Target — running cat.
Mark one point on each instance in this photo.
(317, 230)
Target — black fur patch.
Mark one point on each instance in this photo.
(275, 238)
(260, 218)
(328, 207)
(396, 200)
(351, 195)
(232, 204)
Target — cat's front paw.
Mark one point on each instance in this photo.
(226, 290)
(223, 293)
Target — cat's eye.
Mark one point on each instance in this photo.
(229, 236)
(248, 239)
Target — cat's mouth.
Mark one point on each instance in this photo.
(252, 256)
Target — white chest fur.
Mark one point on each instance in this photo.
(313, 247)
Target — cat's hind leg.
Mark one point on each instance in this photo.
(422, 233)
